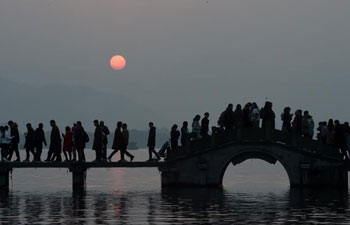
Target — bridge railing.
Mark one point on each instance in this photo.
(220, 138)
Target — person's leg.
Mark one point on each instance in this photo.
(128, 154)
(9, 156)
(27, 155)
(65, 155)
(17, 152)
(149, 153)
(49, 155)
(33, 153)
(121, 154)
(155, 153)
(112, 154)
(39, 150)
(70, 156)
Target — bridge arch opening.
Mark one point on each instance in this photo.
(255, 171)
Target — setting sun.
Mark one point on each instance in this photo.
(117, 62)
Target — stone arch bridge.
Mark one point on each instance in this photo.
(203, 163)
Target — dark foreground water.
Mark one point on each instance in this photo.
(254, 192)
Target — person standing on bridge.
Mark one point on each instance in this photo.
(67, 144)
(286, 118)
(29, 144)
(5, 141)
(246, 115)
(238, 117)
(98, 141)
(125, 143)
(268, 116)
(174, 137)
(54, 153)
(255, 115)
(105, 133)
(39, 141)
(117, 141)
(151, 142)
(330, 132)
(196, 128)
(227, 118)
(80, 140)
(185, 134)
(297, 122)
(74, 149)
(205, 125)
(14, 134)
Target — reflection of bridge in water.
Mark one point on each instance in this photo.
(203, 162)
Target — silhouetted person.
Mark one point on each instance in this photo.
(151, 142)
(98, 141)
(339, 139)
(174, 137)
(29, 144)
(125, 143)
(185, 134)
(14, 134)
(196, 127)
(80, 140)
(105, 133)
(74, 149)
(67, 144)
(347, 139)
(238, 117)
(205, 125)
(117, 141)
(322, 132)
(268, 116)
(297, 123)
(39, 141)
(227, 118)
(54, 153)
(286, 118)
(246, 115)
(330, 132)
(5, 141)
(255, 115)
(307, 125)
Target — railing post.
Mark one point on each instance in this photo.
(4, 178)
(78, 177)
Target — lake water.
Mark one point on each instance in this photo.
(254, 192)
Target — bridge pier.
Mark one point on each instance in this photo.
(5, 178)
(78, 177)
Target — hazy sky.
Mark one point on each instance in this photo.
(185, 56)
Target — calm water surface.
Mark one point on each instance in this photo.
(254, 192)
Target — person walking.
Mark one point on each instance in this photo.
(54, 153)
(80, 140)
(39, 141)
(205, 125)
(29, 144)
(5, 141)
(196, 127)
(185, 134)
(117, 141)
(125, 143)
(67, 144)
(98, 141)
(174, 137)
(14, 134)
(151, 142)
(105, 133)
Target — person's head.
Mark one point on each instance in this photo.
(74, 124)
(238, 107)
(10, 123)
(41, 126)
(52, 123)
(230, 106)
(102, 123)
(96, 123)
(185, 124)
(174, 127)
(150, 124)
(306, 113)
(336, 122)
(79, 124)
(196, 118)
(287, 110)
(119, 124)
(6, 128)
(346, 124)
(206, 115)
(29, 126)
(67, 129)
(125, 126)
(254, 105)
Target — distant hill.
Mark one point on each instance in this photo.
(24, 103)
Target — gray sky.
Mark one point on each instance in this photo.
(185, 56)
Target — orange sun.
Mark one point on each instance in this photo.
(117, 62)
